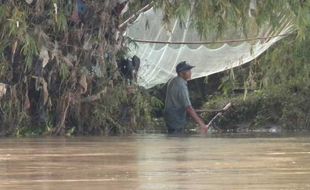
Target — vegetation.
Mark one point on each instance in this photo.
(58, 61)
(276, 90)
(58, 71)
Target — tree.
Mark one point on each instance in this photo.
(218, 15)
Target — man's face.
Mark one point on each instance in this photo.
(186, 75)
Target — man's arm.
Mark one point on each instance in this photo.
(197, 119)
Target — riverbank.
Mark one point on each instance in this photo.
(281, 107)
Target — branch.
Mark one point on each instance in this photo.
(136, 14)
(94, 97)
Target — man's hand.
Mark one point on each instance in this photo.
(194, 115)
(204, 129)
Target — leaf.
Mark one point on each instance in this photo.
(87, 43)
(45, 91)
(14, 50)
(83, 83)
(27, 101)
(3, 88)
(68, 60)
(29, 1)
(44, 56)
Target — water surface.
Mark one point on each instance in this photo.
(155, 162)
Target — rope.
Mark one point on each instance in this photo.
(211, 42)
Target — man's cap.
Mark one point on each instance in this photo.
(183, 66)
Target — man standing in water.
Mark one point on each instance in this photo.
(178, 104)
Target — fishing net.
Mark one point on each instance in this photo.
(159, 54)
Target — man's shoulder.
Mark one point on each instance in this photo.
(178, 81)
(174, 79)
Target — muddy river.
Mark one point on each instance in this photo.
(155, 162)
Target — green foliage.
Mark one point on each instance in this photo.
(228, 83)
(79, 90)
(277, 105)
(29, 50)
(210, 16)
(123, 110)
(282, 98)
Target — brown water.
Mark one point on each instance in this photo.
(155, 162)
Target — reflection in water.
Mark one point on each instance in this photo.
(155, 162)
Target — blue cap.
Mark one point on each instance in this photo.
(183, 66)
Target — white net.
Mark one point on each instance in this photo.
(158, 60)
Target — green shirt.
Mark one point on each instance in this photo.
(177, 100)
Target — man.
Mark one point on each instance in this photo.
(178, 104)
